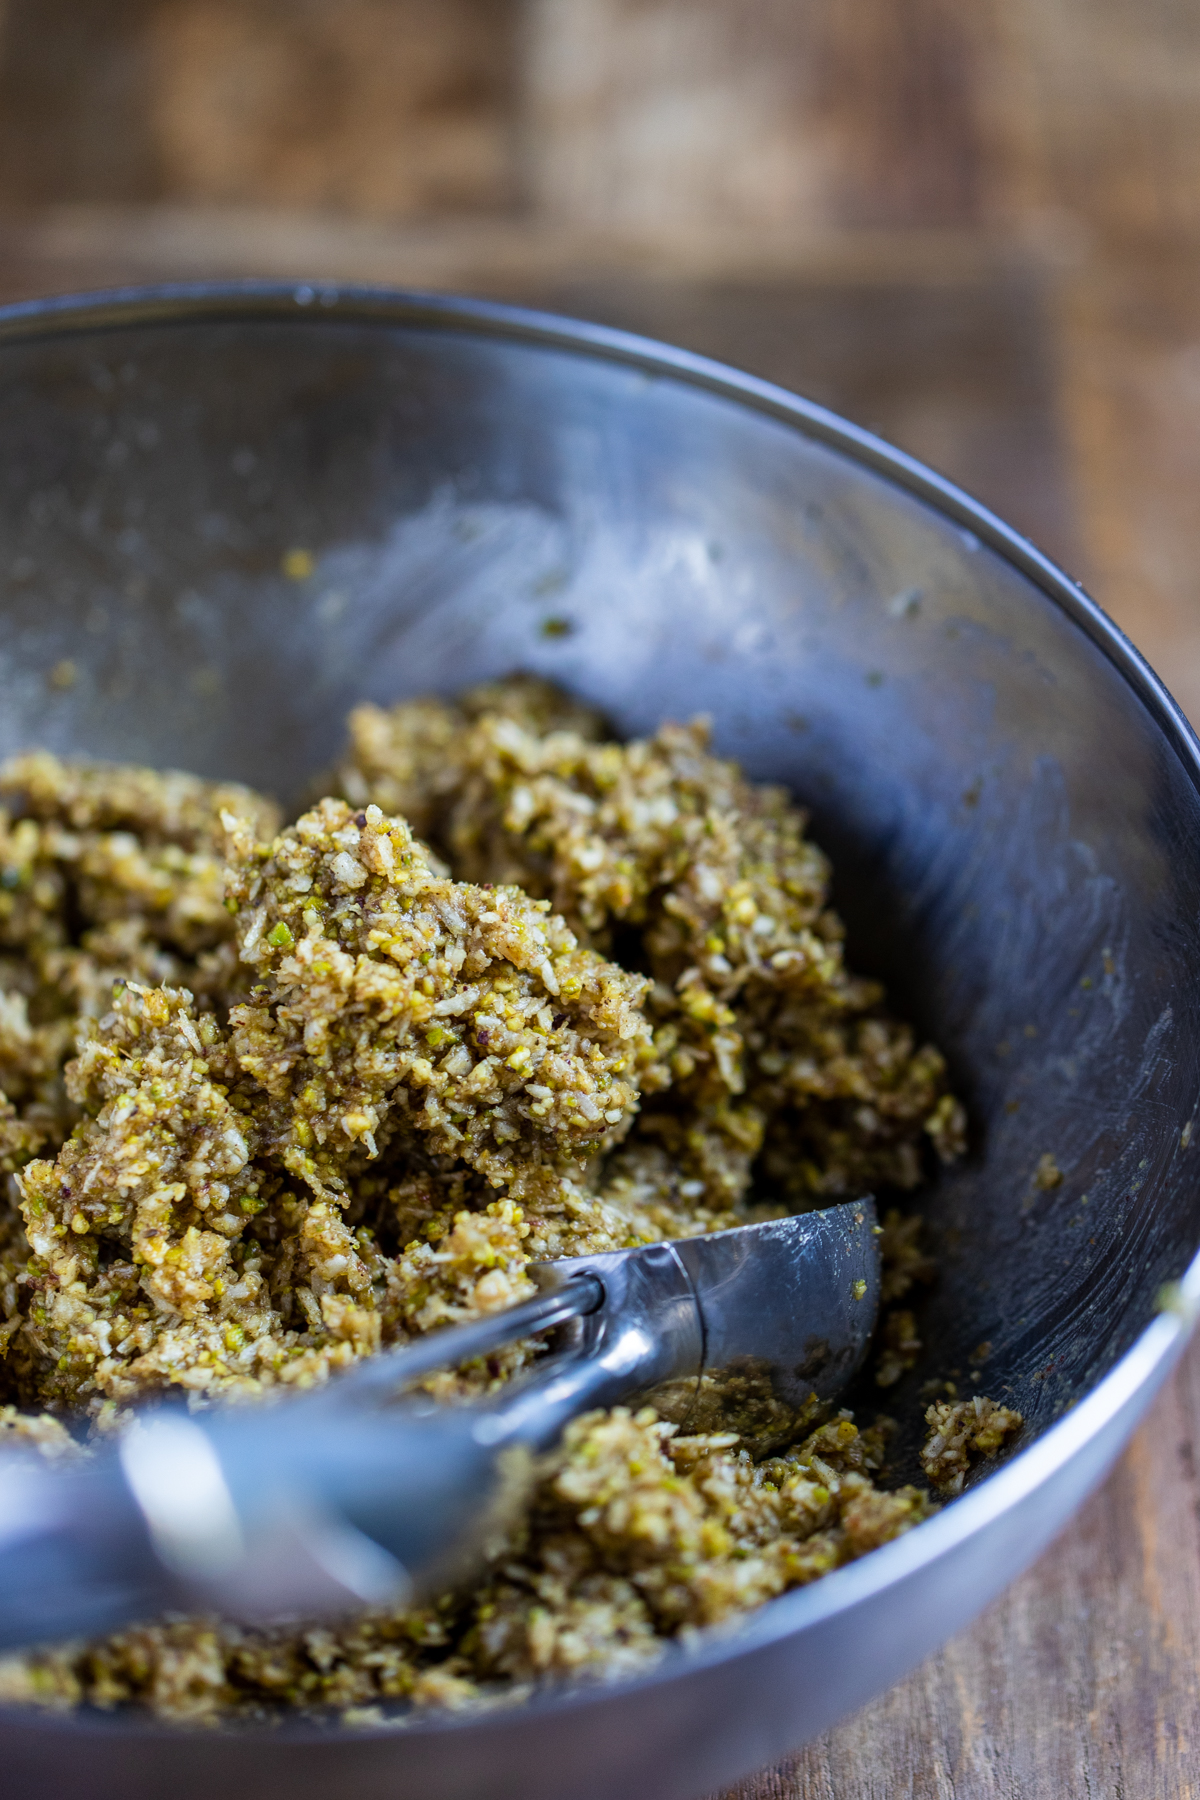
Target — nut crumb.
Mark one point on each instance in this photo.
(959, 1433)
(274, 1099)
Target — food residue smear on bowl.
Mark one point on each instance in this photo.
(276, 1098)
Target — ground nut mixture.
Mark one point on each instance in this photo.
(272, 1099)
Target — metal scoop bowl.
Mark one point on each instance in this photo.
(298, 1510)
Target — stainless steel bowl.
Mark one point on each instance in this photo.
(1009, 794)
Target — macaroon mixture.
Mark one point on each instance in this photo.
(276, 1097)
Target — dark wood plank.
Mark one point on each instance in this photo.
(386, 108)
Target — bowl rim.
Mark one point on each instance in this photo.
(1148, 1360)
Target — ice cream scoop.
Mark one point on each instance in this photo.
(369, 1493)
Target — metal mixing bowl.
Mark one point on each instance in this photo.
(1009, 794)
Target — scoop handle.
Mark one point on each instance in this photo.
(335, 1501)
(332, 1502)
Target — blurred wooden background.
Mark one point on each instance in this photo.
(975, 228)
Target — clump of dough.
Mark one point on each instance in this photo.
(108, 873)
(772, 1047)
(272, 1100)
(959, 1433)
(636, 1533)
(387, 985)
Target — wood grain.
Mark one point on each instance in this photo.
(378, 107)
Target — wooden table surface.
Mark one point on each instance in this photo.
(1066, 394)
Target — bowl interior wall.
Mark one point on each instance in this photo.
(1014, 839)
